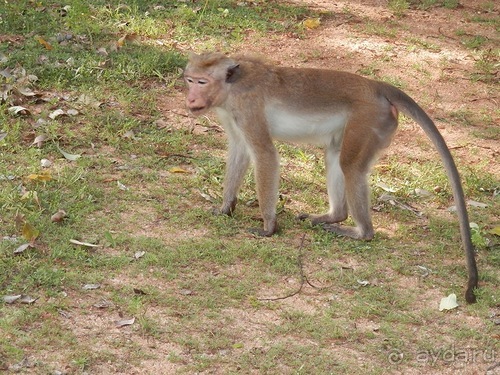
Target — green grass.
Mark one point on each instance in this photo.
(202, 288)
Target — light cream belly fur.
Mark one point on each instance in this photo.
(315, 128)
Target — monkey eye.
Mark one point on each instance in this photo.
(202, 82)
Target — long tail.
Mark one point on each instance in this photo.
(410, 108)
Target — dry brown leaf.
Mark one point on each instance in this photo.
(38, 141)
(58, 216)
(44, 43)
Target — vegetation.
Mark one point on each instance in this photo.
(111, 262)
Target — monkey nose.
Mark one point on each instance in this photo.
(194, 107)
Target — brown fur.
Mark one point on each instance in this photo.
(353, 117)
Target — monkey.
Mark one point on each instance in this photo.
(352, 117)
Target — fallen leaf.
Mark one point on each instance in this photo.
(177, 170)
(19, 110)
(363, 282)
(26, 92)
(39, 122)
(30, 232)
(70, 157)
(21, 248)
(32, 78)
(44, 176)
(423, 193)
(2, 136)
(186, 292)
(139, 254)
(425, 271)
(45, 163)
(64, 10)
(91, 286)
(312, 23)
(448, 303)
(121, 41)
(38, 141)
(102, 51)
(6, 73)
(58, 216)
(80, 243)
(386, 187)
(44, 43)
(64, 314)
(27, 299)
(121, 186)
(495, 230)
(23, 298)
(124, 322)
(89, 101)
(103, 304)
(207, 197)
(11, 299)
(55, 114)
(72, 112)
(476, 204)
(129, 134)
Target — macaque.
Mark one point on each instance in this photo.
(352, 117)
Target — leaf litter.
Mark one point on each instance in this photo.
(124, 322)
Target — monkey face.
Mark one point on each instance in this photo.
(199, 98)
(208, 78)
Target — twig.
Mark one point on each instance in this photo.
(303, 277)
(447, 36)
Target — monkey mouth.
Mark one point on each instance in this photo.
(195, 110)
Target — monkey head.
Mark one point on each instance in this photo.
(208, 77)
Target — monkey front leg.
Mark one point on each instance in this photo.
(238, 160)
(267, 182)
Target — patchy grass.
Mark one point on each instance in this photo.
(137, 178)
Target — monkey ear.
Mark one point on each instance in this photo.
(233, 72)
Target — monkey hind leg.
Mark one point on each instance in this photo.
(352, 232)
(358, 200)
(328, 218)
(335, 184)
(357, 156)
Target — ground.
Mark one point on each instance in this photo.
(251, 335)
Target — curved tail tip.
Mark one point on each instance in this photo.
(470, 297)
